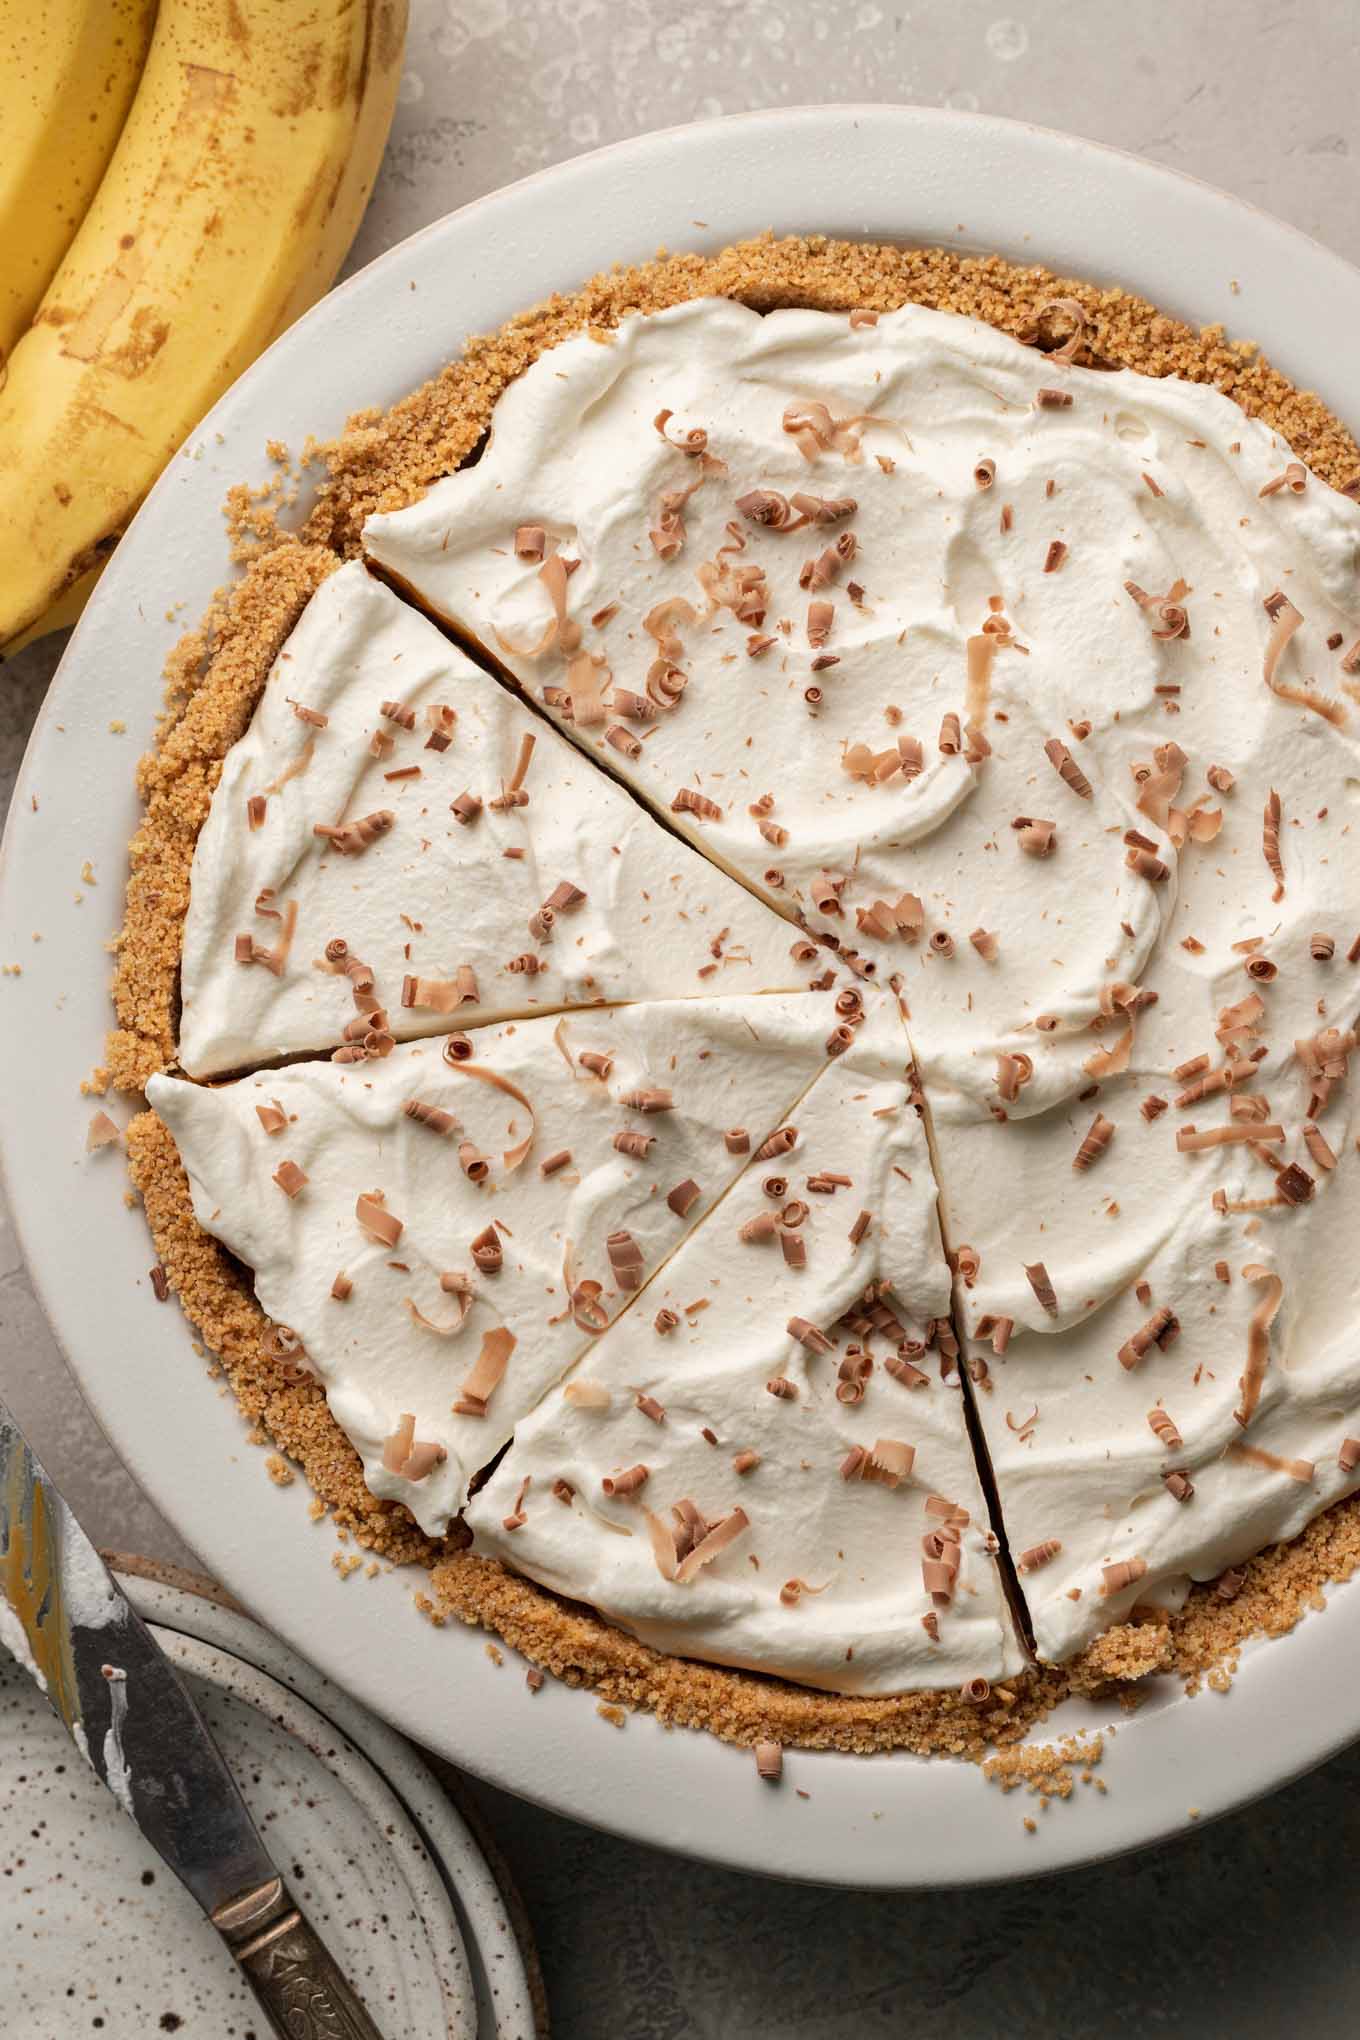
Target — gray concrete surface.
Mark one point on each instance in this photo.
(1250, 1927)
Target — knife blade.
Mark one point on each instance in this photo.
(66, 1620)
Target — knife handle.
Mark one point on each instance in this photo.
(289, 1968)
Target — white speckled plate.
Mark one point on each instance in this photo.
(885, 172)
(98, 1935)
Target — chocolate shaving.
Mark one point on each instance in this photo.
(625, 1259)
(1125, 1573)
(407, 1458)
(1036, 838)
(1097, 1138)
(256, 808)
(1165, 1429)
(648, 1098)
(351, 839)
(1038, 1278)
(693, 442)
(1160, 1330)
(487, 1252)
(376, 1221)
(814, 431)
(1013, 1072)
(1039, 1555)
(1067, 768)
(434, 1116)
(684, 1197)
(1054, 557)
(1258, 1340)
(629, 1142)
(1172, 618)
(779, 1142)
(690, 802)
(441, 995)
(497, 1346)
(290, 1178)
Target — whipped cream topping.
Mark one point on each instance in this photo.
(1036, 687)
(1142, 614)
(967, 627)
(442, 904)
(397, 1324)
(822, 1579)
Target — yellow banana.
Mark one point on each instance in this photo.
(68, 70)
(233, 194)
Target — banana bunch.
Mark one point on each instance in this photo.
(171, 198)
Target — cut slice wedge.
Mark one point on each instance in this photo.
(396, 834)
(765, 1462)
(403, 1217)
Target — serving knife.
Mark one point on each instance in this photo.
(63, 1616)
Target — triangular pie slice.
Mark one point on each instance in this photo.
(443, 1232)
(397, 846)
(1160, 1274)
(765, 1463)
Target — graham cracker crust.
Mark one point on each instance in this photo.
(383, 461)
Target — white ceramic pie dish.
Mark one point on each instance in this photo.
(393, 1876)
(879, 172)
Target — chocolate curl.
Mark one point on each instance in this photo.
(688, 802)
(290, 1178)
(441, 995)
(1172, 620)
(1270, 843)
(1165, 1429)
(1038, 1278)
(779, 1142)
(433, 1116)
(1037, 838)
(710, 1546)
(1039, 1555)
(625, 1259)
(1097, 1138)
(497, 1346)
(629, 1142)
(442, 720)
(1258, 1340)
(376, 1221)
(404, 1456)
(1125, 1573)
(1067, 768)
(693, 442)
(487, 1251)
(809, 1336)
(353, 838)
(1013, 1072)
(1161, 1328)
(768, 507)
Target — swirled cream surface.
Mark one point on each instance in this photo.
(442, 1238)
(765, 1462)
(1036, 685)
(1029, 689)
(386, 837)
